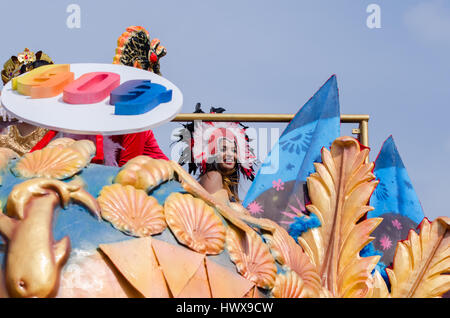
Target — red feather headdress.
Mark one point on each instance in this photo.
(202, 140)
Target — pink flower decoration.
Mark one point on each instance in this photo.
(397, 224)
(296, 211)
(386, 243)
(255, 208)
(278, 185)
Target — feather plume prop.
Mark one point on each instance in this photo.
(339, 191)
(422, 262)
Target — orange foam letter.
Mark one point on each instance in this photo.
(45, 81)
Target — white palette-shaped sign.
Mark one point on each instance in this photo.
(92, 119)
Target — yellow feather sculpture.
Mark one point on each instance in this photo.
(422, 262)
(339, 191)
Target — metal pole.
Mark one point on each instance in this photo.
(257, 117)
(362, 120)
(364, 135)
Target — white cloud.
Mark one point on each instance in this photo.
(430, 21)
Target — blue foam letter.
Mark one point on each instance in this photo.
(137, 97)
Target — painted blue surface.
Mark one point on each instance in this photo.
(137, 97)
(316, 125)
(369, 250)
(84, 230)
(395, 192)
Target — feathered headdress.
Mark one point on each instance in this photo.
(202, 140)
(22, 63)
(134, 48)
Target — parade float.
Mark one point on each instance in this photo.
(74, 228)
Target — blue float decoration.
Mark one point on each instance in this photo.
(137, 97)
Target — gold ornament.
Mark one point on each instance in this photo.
(13, 67)
(339, 192)
(422, 262)
(26, 57)
(34, 260)
(21, 144)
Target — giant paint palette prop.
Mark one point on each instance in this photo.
(97, 99)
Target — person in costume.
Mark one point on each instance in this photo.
(220, 151)
(134, 48)
(16, 135)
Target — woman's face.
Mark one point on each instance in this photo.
(227, 154)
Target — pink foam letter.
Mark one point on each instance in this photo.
(91, 88)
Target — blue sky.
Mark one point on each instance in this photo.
(271, 56)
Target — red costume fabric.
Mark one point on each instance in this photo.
(143, 143)
(137, 144)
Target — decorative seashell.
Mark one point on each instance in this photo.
(252, 258)
(85, 147)
(144, 172)
(60, 142)
(288, 285)
(131, 210)
(194, 223)
(291, 256)
(56, 162)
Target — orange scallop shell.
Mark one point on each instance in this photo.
(144, 173)
(195, 224)
(288, 285)
(85, 147)
(131, 210)
(56, 162)
(64, 141)
(252, 258)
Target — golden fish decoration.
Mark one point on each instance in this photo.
(33, 259)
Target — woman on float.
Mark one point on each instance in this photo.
(221, 153)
